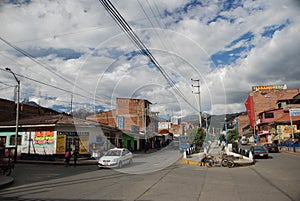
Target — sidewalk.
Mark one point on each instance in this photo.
(290, 152)
(216, 151)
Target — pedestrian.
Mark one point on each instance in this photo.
(76, 156)
(68, 157)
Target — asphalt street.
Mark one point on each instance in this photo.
(165, 178)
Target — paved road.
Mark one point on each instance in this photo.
(274, 179)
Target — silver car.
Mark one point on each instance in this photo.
(115, 158)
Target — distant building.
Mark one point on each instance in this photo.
(175, 120)
(164, 125)
(134, 118)
(243, 121)
(263, 99)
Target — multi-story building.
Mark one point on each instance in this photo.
(243, 122)
(134, 118)
(267, 107)
(263, 98)
(276, 125)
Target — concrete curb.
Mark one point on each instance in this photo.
(5, 181)
(190, 162)
(290, 152)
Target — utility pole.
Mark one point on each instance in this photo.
(17, 113)
(206, 129)
(199, 99)
(145, 122)
(226, 130)
(71, 112)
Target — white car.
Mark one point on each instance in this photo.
(115, 158)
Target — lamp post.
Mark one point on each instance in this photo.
(17, 112)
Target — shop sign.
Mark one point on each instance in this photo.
(294, 112)
(269, 87)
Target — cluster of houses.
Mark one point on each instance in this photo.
(270, 117)
(43, 132)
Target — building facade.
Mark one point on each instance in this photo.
(49, 136)
(265, 105)
(133, 117)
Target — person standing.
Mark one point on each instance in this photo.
(76, 156)
(68, 157)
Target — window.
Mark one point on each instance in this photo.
(12, 140)
(269, 115)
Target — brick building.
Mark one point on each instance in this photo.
(107, 118)
(243, 121)
(265, 98)
(134, 118)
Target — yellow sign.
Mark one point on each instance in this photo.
(84, 144)
(61, 144)
(269, 87)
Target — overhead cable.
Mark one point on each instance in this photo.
(28, 55)
(117, 17)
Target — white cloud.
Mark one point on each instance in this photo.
(182, 42)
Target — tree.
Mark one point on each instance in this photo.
(197, 137)
(232, 136)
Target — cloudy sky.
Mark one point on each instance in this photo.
(61, 49)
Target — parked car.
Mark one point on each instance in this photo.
(271, 148)
(259, 152)
(244, 141)
(115, 158)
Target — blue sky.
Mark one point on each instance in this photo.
(79, 49)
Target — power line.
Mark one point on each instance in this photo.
(31, 57)
(5, 88)
(117, 17)
(6, 84)
(55, 87)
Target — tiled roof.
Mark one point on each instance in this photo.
(61, 119)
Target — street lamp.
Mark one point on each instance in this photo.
(17, 112)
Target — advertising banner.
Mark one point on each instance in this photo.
(269, 87)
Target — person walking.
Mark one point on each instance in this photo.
(76, 156)
(68, 157)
